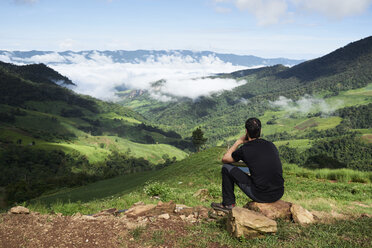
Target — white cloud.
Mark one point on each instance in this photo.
(46, 58)
(306, 104)
(267, 12)
(98, 75)
(6, 58)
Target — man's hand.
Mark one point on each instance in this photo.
(227, 158)
(242, 139)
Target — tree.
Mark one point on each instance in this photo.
(198, 138)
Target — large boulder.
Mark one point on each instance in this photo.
(244, 222)
(301, 215)
(275, 210)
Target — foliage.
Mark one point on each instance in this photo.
(26, 173)
(198, 138)
(157, 189)
(356, 116)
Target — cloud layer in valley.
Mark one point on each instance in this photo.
(306, 104)
(98, 75)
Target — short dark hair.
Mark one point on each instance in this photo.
(253, 126)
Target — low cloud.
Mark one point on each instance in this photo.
(305, 105)
(98, 75)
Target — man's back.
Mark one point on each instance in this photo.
(262, 158)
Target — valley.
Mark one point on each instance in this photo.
(68, 153)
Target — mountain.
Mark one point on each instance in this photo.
(278, 94)
(138, 56)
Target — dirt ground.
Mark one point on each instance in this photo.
(36, 230)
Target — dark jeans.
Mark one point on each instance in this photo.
(232, 175)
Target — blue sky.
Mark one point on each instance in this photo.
(266, 28)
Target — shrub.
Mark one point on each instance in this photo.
(157, 189)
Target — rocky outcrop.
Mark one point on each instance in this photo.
(246, 223)
(276, 210)
(19, 210)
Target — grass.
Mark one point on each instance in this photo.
(311, 189)
(300, 144)
(182, 179)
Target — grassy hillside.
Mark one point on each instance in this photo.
(94, 139)
(344, 193)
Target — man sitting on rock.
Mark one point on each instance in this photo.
(265, 182)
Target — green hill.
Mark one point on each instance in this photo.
(40, 118)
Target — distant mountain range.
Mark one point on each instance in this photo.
(221, 113)
(138, 56)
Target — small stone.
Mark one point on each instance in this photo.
(139, 203)
(183, 217)
(301, 215)
(59, 214)
(164, 216)
(87, 217)
(19, 210)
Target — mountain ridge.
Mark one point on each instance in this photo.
(137, 56)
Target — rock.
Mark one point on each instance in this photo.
(180, 207)
(183, 217)
(164, 207)
(191, 218)
(301, 215)
(19, 210)
(203, 212)
(246, 223)
(139, 203)
(107, 212)
(87, 217)
(137, 210)
(275, 210)
(164, 216)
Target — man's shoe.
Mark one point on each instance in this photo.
(221, 207)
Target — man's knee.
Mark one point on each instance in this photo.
(226, 168)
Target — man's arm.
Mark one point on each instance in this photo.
(227, 158)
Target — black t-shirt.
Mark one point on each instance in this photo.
(262, 158)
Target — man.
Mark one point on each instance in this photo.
(265, 182)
